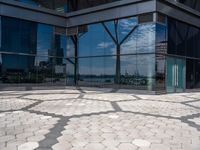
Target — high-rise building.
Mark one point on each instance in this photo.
(149, 45)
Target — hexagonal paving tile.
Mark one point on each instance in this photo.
(24, 130)
(128, 131)
(110, 97)
(49, 96)
(14, 103)
(158, 108)
(73, 107)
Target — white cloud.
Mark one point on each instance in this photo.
(104, 45)
(127, 24)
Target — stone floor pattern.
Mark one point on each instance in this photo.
(82, 119)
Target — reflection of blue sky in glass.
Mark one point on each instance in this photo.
(98, 42)
(146, 38)
(29, 2)
(161, 33)
(63, 45)
(95, 42)
(142, 40)
(125, 26)
(44, 39)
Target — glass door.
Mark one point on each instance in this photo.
(180, 73)
(175, 75)
(170, 75)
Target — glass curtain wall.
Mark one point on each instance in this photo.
(117, 53)
(66, 5)
(74, 5)
(58, 5)
(184, 42)
(161, 51)
(31, 54)
(195, 4)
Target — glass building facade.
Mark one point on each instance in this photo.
(195, 4)
(31, 53)
(66, 5)
(184, 43)
(115, 54)
(147, 51)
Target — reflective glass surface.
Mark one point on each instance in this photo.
(195, 4)
(95, 42)
(58, 5)
(183, 39)
(146, 38)
(193, 74)
(161, 38)
(18, 36)
(160, 70)
(138, 71)
(31, 54)
(96, 71)
(82, 4)
(109, 54)
(66, 5)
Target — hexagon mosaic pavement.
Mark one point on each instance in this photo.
(104, 119)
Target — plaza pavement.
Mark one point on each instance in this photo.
(103, 119)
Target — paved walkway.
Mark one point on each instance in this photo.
(80, 119)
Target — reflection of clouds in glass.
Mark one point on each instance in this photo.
(70, 50)
(104, 45)
(128, 24)
(130, 45)
(142, 40)
(146, 35)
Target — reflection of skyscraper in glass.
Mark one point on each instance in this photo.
(15, 42)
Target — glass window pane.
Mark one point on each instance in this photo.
(146, 37)
(44, 70)
(129, 71)
(44, 39)
(84, 75)
(161, 38)
(197, 74)
(125, 26)
(97, 71)
(18, 36)
(58, 5)
(110, 70)
(172, 36)
(70, 71)
(70, 47)
(146, 71)
(58, 71)
(160, 73)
